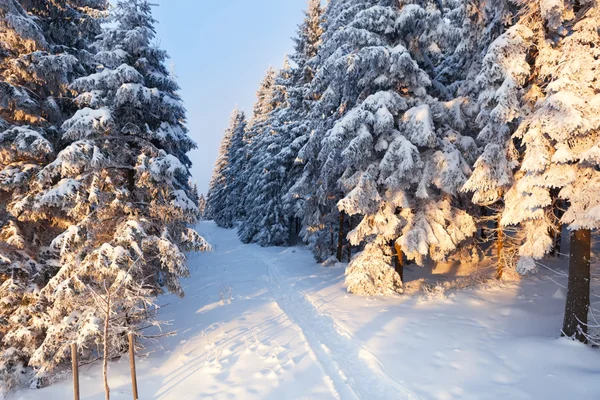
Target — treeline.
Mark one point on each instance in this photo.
(95, 197)
(396, 129)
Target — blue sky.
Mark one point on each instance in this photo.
(220, 51)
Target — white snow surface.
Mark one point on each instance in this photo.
(269, 323)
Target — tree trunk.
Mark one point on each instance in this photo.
(340, 247)
(558, 213)
(332, 241)
(500, 248)
(349, 244)
(482, 234)
(578, 292)
(558, 240)
(349, 253)
(399, 260)
(105, 360)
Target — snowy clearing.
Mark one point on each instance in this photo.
(269, 323)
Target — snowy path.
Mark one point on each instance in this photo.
(354, 370)
(270, 324)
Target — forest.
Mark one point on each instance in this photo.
(397, 134)
(416, 131)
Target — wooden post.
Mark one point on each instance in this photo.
(75, 367)
(105, 351)
(132, 366)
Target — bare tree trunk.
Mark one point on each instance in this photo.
(500, 248)
(557, 236)
(558, 240)
(332, 242)
(399, 264)
(340, 247)
(105, 360)
(482, 234)
(350, 227)
(578, 292)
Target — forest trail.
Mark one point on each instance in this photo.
(354, 370)
(269, 323)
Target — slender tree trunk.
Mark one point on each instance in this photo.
(105, 360)
(578, 292)
(482, 234)
(340, 248)
(558, 213)
(558, 240)
(349, 252)
(500, 249)
(349, 244)
(332, 242)
(399, 263)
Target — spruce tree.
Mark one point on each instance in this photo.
(560, 138)
(224, 192)
(119, 191)
(331, 98)
(257, 139)
(43, 47)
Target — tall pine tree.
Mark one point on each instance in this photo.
(224, 195)
(43, 47)
(118, 191)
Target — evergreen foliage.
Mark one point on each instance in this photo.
(96, 193)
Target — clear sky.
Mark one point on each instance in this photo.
(220, 51)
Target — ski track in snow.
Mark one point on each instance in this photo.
(354, 371)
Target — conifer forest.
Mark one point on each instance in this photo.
(410, 210)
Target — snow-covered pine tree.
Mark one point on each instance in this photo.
(224, 192)
(499, 88)
(308, 40)
(330, 97)
(202, 206)
(43, 46)
(393, 157)
(561, 137)
(265, 220)
(277, 137)
(119, 191)
(257, 139)
(294, 121)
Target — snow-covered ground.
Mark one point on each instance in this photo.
(269, 323)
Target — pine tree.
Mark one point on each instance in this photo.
(331, 97)
(503, 76)
(257, 139)
(40, 54)
(560, 137)
(266, 222)
(202, 206)
(119, 191)
(224, 193)
(385, 141)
